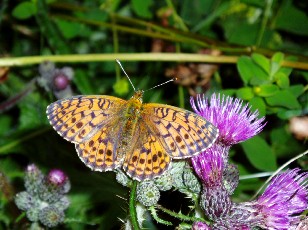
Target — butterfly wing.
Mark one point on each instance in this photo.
(181, 132)
(78, 118)
(94, 124)
(147, 157)
(100, 152)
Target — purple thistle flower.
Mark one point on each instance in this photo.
(200, 226)
(209, 165)
(56, 177)
(278, 207)
(284, 197)
(235, 121)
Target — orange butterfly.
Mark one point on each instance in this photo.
(110, 132)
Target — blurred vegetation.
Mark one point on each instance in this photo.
(254, 50)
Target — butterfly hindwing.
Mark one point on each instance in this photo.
(100, 152)
(147, 158)
(78, 118)
(183, 133)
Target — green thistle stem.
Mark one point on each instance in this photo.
(132, 206)
(179, 215)
(155, 216)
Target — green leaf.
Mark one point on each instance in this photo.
(142, 8)
(283, 98)
(291, 19)
(5, 123)
(278, 58)
(227, 92)
(68, 29)
(121, 87)
(82, 82)
(24, 10)
(276, 62)
(244, 64)
(234, 30)
(32, 111)
(257, 103)
(245, 93)
(211, 16)
(286, 114)
(266, 90)
(283, 143)
(297, 90)
(251, 72)
(282, 80)
(262, 61)
(259, 154)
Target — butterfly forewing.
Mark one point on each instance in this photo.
(78, 118)
(183, 133)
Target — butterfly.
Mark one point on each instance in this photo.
(109, 133)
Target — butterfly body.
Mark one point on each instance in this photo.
(109, 132)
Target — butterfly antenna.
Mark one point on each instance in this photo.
(173, 79)
(117, 60)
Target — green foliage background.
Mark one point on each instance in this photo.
(264, 61)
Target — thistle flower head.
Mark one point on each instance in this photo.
(147, 193)
(200, 226)
(279, 207)
(54, 186)
(209, 165)
(44, 199)
(235, 121)
(56, 177)
(55, 79)
(283, 199)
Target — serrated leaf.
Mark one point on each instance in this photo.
(142, 8)
(259, 154)
(262, 61)
(283, 98)
(266, 90)
(24, 10)
(257, 103)
(245, 93)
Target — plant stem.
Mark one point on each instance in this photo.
(179, 215)
(9, 145)
(155, 216)
(182, 57)
(132, 206)
(115, 47)
(265, 18)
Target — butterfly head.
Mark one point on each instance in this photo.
(138, 95)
